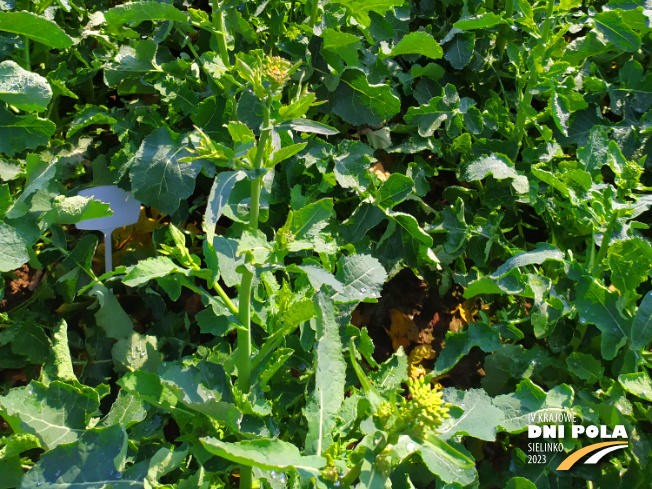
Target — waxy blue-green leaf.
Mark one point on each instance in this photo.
(642, 326)
(148, 269)
(394, 191)
(126, 410)
(616, 30)
(480, 418)
(330, 376)
(217, 199)
(352, 164)
(460, 344)
(358, 102)
(303, 227)
(158, 176)
(57, 413)
(560, 110)
(136, 352)
(310, 126)
(540, 254)
(638, 384)
(593, 155)
(430, 117)
(142, 58)
(459, 50)
(13, 249)
(362, 276)
(110, 316)
(266, 454)
(142, 11)
(585, 366)
(18, 133)
(23, 89)
(364, 217)
(482, 21)
(36, 28)
(597, 305)
(449, 460)
(500, 167)
(419, 42)
(89, 116)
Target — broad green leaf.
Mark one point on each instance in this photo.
(149, 269)
(13, 249)
(598, 306)
(360, 9)
(62, 361)
(150, 388)
(411, 226)
(136, 352)
(111, 317)
(266, 454)
(134, 61)
(36, 28)
(560, 110)
(630, 262)
(330, 376)
(256, 244)
(142, 11)
(418, 43)
(482, 21)
(451, 462)
(593, 155)
(480, 418)
(164, 461)
(126, 410)
(616, 30)
(298, 108)
(530, 404)
(520, 483)
(217, 199)
(226, 251)
(430, 117)
(364, 217)
(362, 277)
(460, 344)
(91, 115)
(638, 384)
(23, 89)
(585, 366)
(394, 191)
(642, 326)
(310, 126)
(539, 255)
(94, 460)
(303, 226)
(70, 210)
(358, 102)
(57, 414)
(459, 50)
(500, 167)
(18, 133)
(345, 45)
(352, 164)
(158, 176)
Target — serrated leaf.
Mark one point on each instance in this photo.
(362, 277)
(500, 167)
(330, 375)
(358, 102)
(480, 418)
(419, 42)
(460, 344)
(352, 163)
(23, 89)
(158, 176)
(37, 28)
(149, 269)
(560, 110)
(142, 11)
(94, 460)
(430, 117)
(126, 410)
(18, 133)
(13, 249)
(304, 225)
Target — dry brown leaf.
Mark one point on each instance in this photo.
(379, 170)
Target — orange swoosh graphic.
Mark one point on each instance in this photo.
(574, 457)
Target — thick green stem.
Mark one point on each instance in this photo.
(244, 335)
(545, 34)
(28, 63)
(219, 23)
(313, 13)
(502, 39)
(226, 299)
(604, 246)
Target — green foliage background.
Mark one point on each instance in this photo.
(516, 135)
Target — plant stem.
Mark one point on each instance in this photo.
(545, 34)
(313, 13)
(219, 24)
(502, 39)
(28, 63)
(244, 335)
(604, 246)
(227, 300)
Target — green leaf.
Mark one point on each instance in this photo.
(616, 30)
(303, 227)
(217, 199)
(520, 483)
(23, 89)
(57, 414)
(94, 460)
(360, 9)
(417, 43)
(133, 61)
(18, 133)
(91, 115)
(411, 226)
(500, 167)
(309, 126)
(13, 249)
(149, 269)
(70, 210)
(136, 352)
(394, 191)
(126, 410)
(149, 387)
(345, 45)
(598, 306)
(358, 102)
(560, 110)
(36, 28)
(459, 50)
(439, 110)
(352, 164)
(450, 463)
(362, 276)
(255, 243)
(539, 255)
(585, 367)
(460, 344)
(158, 176)
(364, 217)
(482, 21)
(266, 454)
(642, 326)
(111, 317)
(638, 384)
(164, 461)
(62, 361)
(480, 418)
(594, 154)
(286, 152)
(330, 374)
(630, 262)
(142, 11)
